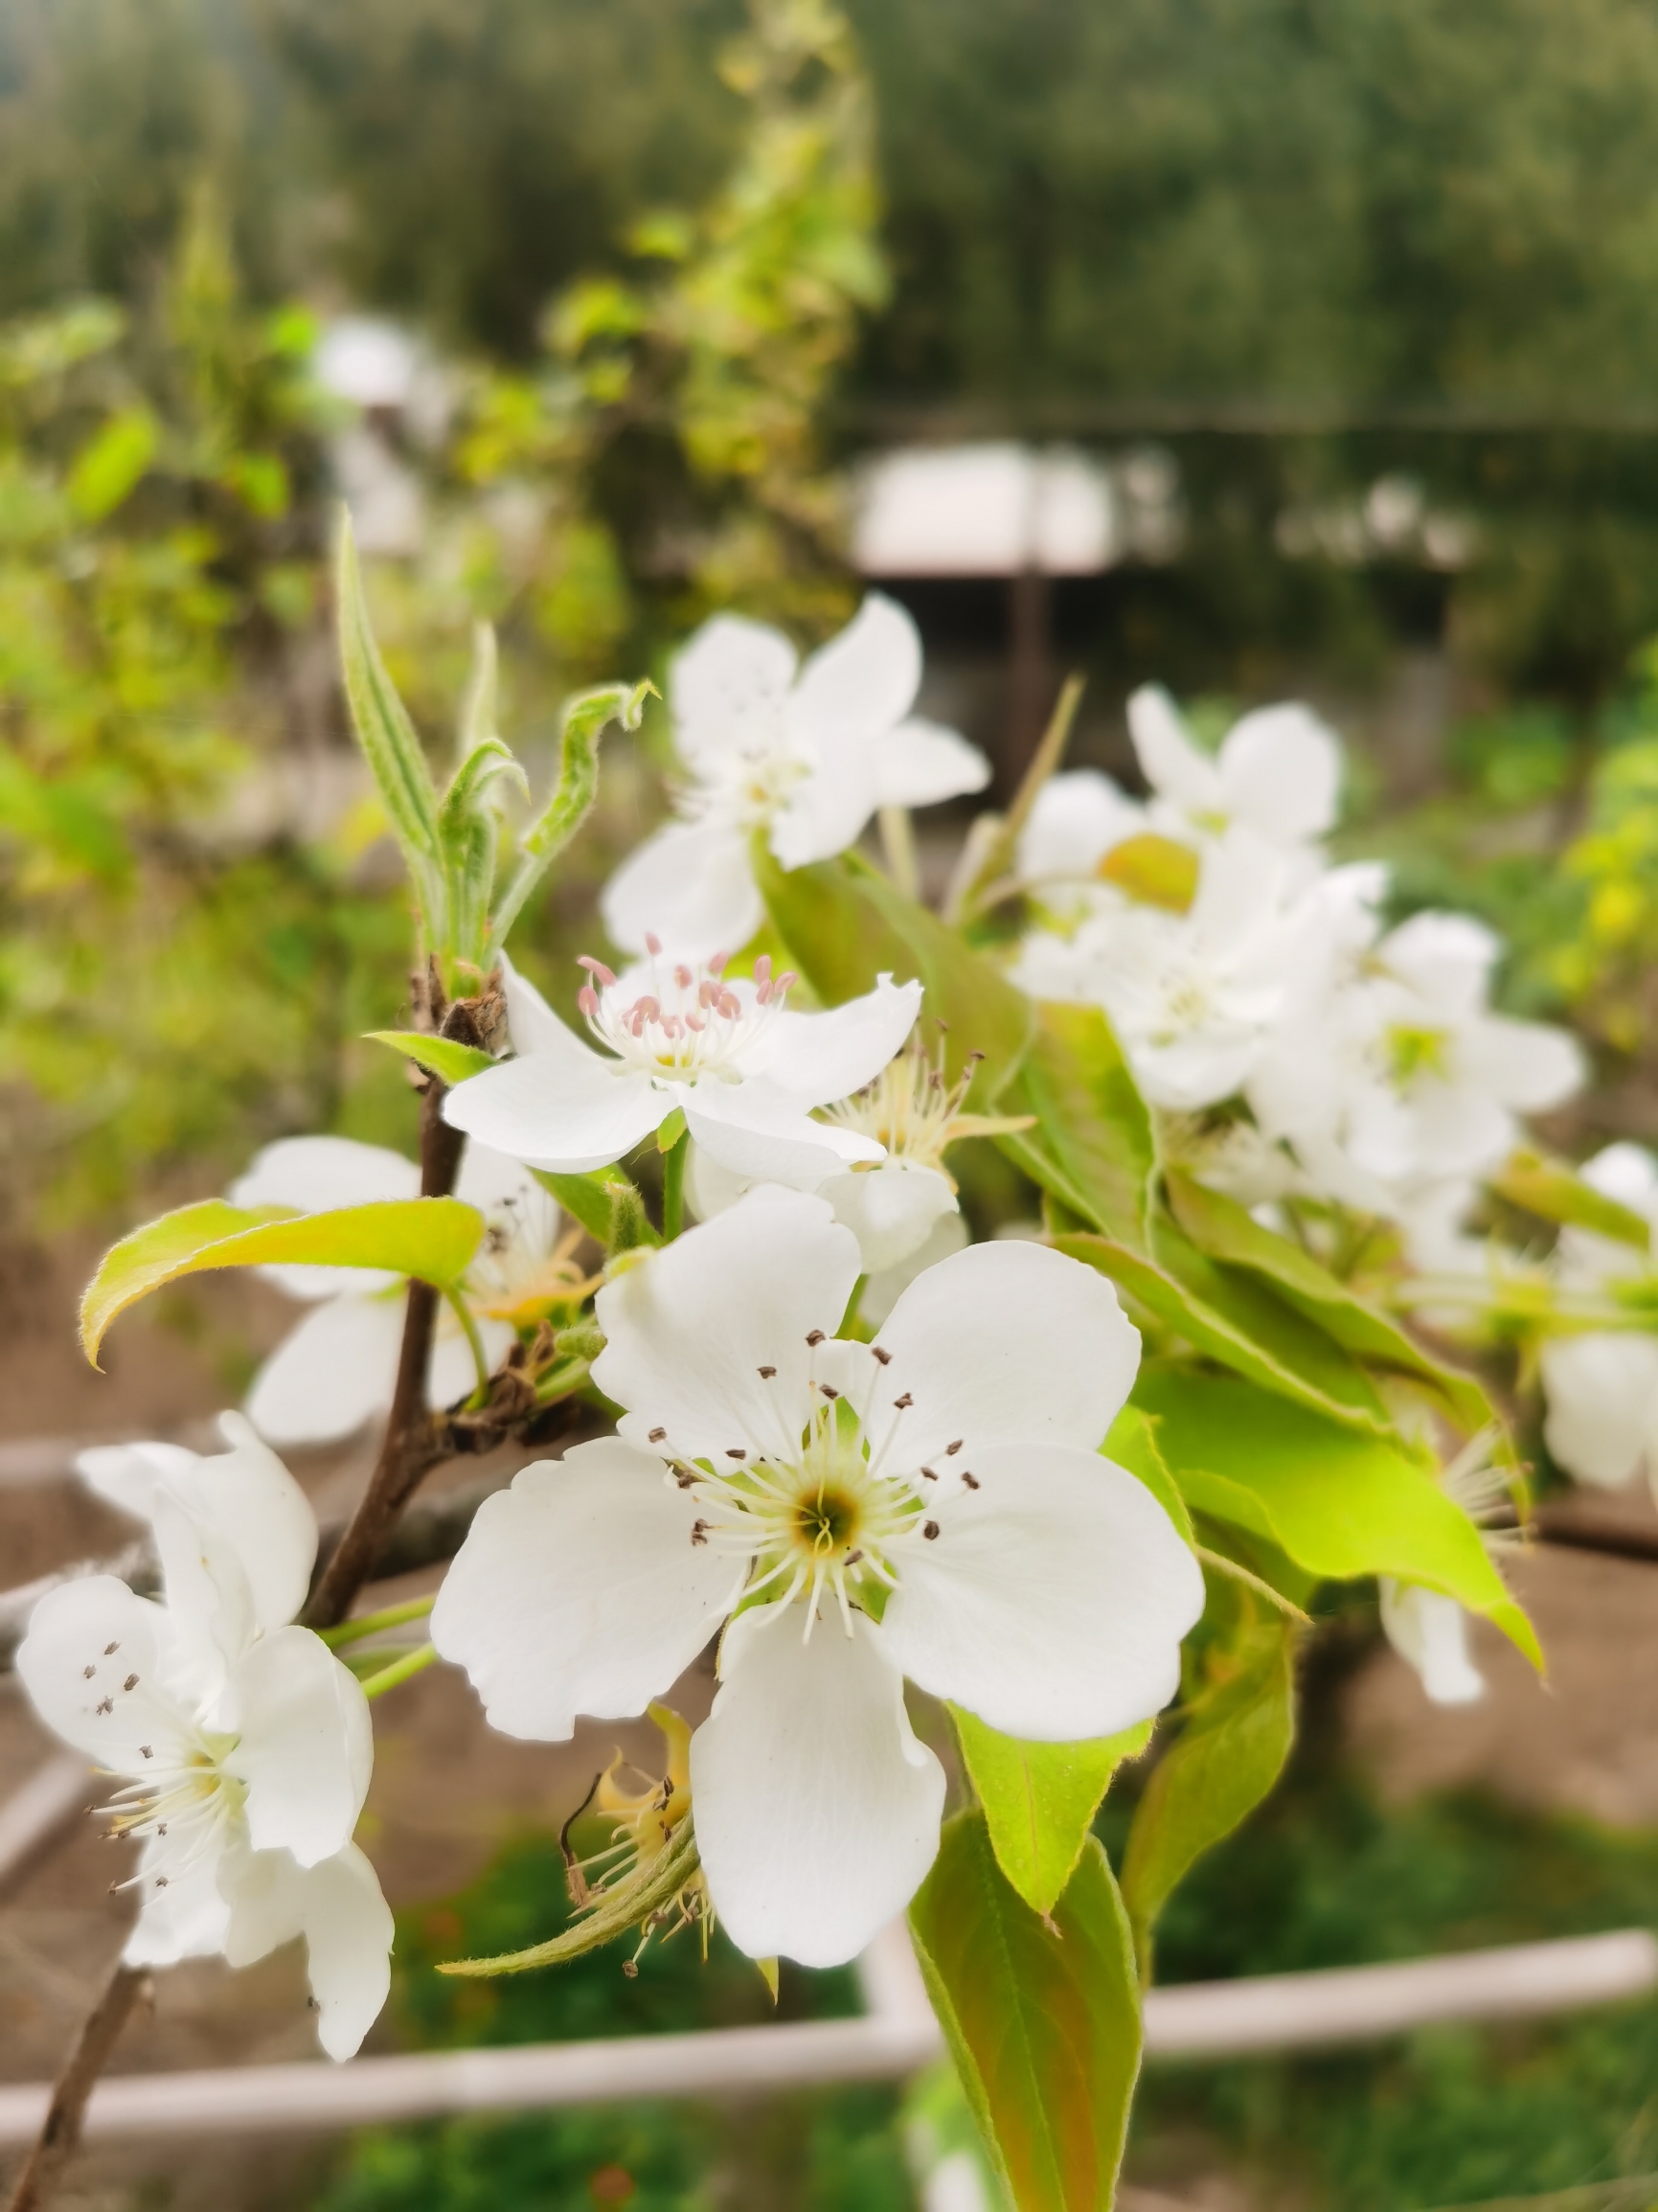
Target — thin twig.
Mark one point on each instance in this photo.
(401, 1461)
(1613, 1540)
(996, 855)
(57, 2140)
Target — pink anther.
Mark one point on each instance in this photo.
(587, 999)
(653, 942)
(597, 970)
(716, 965)
(762, 970)
(683, 977)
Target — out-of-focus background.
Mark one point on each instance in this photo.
(1261, 348)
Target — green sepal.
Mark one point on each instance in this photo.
(444, 1056)
(606, 1203)
(1040, 1799)
(431, 1238)
(1041, 2015)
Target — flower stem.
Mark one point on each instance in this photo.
(480, 1357)
(371, 1624)
(399, 1670)
(898, 850)
(673, 1187)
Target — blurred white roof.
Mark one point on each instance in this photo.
(985, 510)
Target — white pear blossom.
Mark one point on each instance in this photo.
(894, 1205)
(933, 1506)
(1602, 1386)
(1428, 1630)
(337, 1368)
(241, 1745)
(745, 1072)
(803, 754)
(1402, 1078)
(1277, 773)
(1193, 997)
(1076, 820)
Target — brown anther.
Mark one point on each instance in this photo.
(107, 1706)
(161, 1882)
(814, 1337)
(699, 1532)
(852, 1559)
(684, 1477)
(87, 1672)
(146, 1751)
(656, 1436)
(972, 1480)
(767, 1374)
(733, 1451)
(161, 1828)
(929, 1529)
(951, 1449)
(829, 1389)
(881, 1353)
(904, 1403)
(929, 1475)
(630, 1968)
(130, 1684)
(975, 1054)
(109, 1650)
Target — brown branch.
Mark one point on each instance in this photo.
(404, 1451)
(61, 2136)
(1614, 1539)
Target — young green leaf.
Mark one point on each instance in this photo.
(1551, 1191)
(1039, 1799)
(1225, 1230)
(432, 1238)
(586, 717)
(606, 1203)
(1341, 1504)
(1234, 1741)
(1092, 1148)
(387, 737)
(844, 925)
(1041, 2015)
(444, 1056)
(1132, 1443)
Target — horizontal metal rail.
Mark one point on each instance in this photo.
(1205, 2020)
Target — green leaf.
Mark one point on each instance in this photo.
(112, 462)
(1341, 1504)
(1551, 1191)
(1092, 1148)
(1226, 1231)
(387, 736)
(1234, 1741)
(1040, 1799)
(1042, 2016)
(606, 1203)
(1237, 1321)
(433, 1238)
(1132, 1443)
(586, 717)
(444, 1056)
(844, 925)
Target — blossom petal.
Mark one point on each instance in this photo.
(1168, 759)
(883, 1289)
(346, 1924)
(332, 1373)
(690, 1329)
(531, 1024)
(760, 1131)
(690, 884)
(817, 1811)
(182, 1913)
(1602, 1396)
(922, 763)
(1280, 770)
(250, 1494)
(565, 1110)
(86, 1639)
(1053, 1599)
(727, 691)
(1527, 1066)
(315, 1175)
(827, 810)
(1004, 1341)
(1430, 1631)
(451, 1372)
(307, 1746)
(1077, 818)
(892, 1210)
(824, 1057)
(581, 1591)
(866, 677)
(1447, 958)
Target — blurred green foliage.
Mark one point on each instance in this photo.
(834, 2151)
(1323, 1875)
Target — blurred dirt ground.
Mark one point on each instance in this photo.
(446, 1788)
